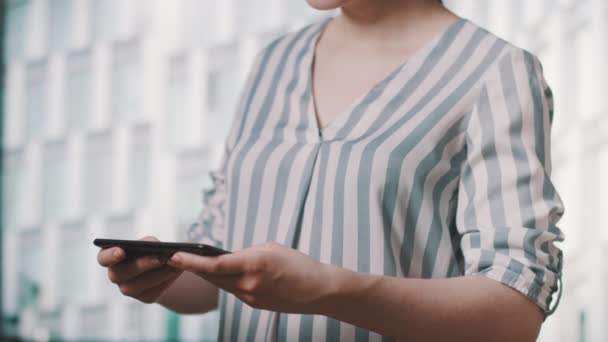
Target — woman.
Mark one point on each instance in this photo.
(386, 174)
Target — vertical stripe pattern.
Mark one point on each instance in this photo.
(441, 169)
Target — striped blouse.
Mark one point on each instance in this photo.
(441, 169)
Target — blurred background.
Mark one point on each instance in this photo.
(114, 111)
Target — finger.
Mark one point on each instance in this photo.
(110, 256)
(132, 268)
(152, 278)
(223, 264)
(149, 238)
(151, 295)
(228, 282)
(148, 280)
(113, 255)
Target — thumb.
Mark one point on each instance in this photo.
(149, 238)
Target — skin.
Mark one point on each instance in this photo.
(363, 45)
(375, 35)
(149, 280)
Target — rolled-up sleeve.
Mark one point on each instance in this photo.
(209, 226)
(508, 207)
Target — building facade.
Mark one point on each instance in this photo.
(116, 110)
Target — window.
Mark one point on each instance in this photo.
(54, 181)
(16, 29)
(72, 286)
(222, 83)
(481, 12)
(140, 164)
(13, 187)
(136, 322)
(588, 96)
(60, 16)
(30, 259)
(195, 327)
(177, 106)
(192, 178)
(36, 100)
(582, 326)
(78, 95)
(254, 16)
(535, 10)
(93, 322)
(98, 176)
(200, 21)
(121, 226)
(223, 89)
(125, 85)
(517, 12)
(51, 320)
(298, 11)
(102, 19)
(210, 325)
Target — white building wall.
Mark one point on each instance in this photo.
(153, 33)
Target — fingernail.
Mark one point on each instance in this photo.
(175, 258)
(117, 253)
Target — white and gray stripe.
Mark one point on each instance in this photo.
(442, 169)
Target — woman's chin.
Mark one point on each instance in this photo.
(326, 4)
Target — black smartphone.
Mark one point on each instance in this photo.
(162, 249)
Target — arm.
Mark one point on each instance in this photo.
(274, 277)
(506, 222)
(469, 308)
(506, 216)
(190, 294)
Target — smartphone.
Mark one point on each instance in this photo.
(162, 249)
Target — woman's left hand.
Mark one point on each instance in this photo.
(269, 276)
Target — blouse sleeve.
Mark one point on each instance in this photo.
(508, 206)
(209, 227)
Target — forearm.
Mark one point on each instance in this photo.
(190, 294)
(471, 308)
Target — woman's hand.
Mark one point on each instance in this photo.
(267, 276)
(144, 278)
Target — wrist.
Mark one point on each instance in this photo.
(330, 287)
(341, 287)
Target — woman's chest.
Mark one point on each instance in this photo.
(278, 186)
(340, 78)
(380, 155)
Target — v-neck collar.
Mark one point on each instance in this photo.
(340, 119)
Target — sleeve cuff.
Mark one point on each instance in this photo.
(541, 295)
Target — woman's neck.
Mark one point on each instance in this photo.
(390, 23)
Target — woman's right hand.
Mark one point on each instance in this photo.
(144, 278)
